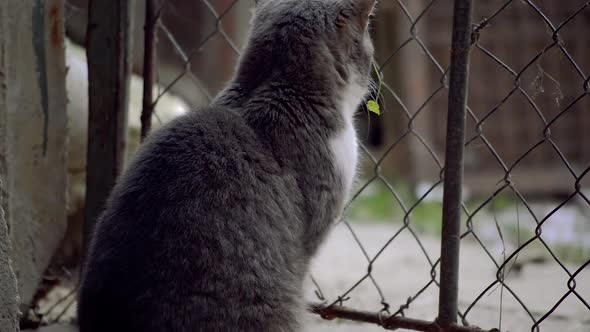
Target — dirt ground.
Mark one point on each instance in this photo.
(402, 270)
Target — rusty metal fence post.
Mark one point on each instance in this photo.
(151, 18)
(108, 84)
(453, 172)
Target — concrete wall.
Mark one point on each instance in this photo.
(9, 299)
(33, 137)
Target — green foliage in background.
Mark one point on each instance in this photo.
(377, 203)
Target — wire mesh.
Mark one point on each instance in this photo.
(415, 56)
(527, 123)
(220, 11)
(569, 99)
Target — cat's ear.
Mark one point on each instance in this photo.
(361, 11)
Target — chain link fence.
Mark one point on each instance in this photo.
(522, 149)
(540, 80)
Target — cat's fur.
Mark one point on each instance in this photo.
(213, 225)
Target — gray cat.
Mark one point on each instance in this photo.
(213, 225)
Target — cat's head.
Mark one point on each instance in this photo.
(320, 44)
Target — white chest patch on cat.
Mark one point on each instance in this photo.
(344, 145)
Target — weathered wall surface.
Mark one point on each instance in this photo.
(33, 137)
(8, 294)
(9, 300)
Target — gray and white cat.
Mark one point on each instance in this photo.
(213, 225)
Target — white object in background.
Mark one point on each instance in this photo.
(167, 108)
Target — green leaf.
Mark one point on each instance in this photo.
(374, 107)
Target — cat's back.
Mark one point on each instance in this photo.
(214, 139)
(205, 151)
(200, 193)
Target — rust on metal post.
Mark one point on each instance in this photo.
(453, 172)
(149, 49)
(107, 48)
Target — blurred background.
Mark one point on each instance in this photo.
(525, 245)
